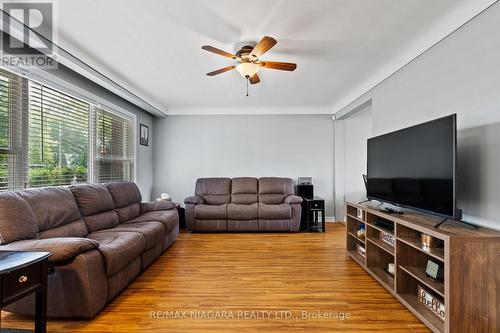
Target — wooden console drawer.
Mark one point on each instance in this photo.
(20, 280)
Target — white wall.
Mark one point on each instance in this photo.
(351, 133)
(189, 147)
(459, 75)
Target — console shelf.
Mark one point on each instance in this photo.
(382, 245)
(357, 238)
(469, 258)
(436, 253)
(419, 274)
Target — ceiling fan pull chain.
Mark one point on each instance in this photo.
(247, 85)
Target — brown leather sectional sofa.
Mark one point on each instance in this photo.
(243, 204)
(101, 237)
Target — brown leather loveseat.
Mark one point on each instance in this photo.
(244, 204)
(101, 237)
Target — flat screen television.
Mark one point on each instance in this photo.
(416, 167)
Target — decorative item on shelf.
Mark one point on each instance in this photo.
(164, 196)
(388, 238)
(434, 270)
(431, 302)
(428, 241)
(361, 231)
(361, 250)
(360, 214)
(390, 268)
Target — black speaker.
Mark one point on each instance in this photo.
(305, 191)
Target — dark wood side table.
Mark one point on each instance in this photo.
(182, 216)
(313, 214)
(23, 273)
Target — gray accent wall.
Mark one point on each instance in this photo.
(459, 75)
(189, 147)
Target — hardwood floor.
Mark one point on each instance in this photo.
(234, 273)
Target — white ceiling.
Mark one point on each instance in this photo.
(342, 47)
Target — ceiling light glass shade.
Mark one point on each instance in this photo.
(247, 69)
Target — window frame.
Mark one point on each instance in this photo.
(95, 102)
(124, 114)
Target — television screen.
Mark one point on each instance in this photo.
(415, 167)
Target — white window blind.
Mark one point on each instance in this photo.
(58, 137)
(13, 130)
(50, 138)
(114, 150)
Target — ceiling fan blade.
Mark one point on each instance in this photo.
(218, 51)
(254, 79)
(282, 66)
(222, 70)
(263, 46)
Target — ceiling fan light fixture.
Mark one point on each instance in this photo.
(247, 69)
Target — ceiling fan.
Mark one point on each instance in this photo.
(247, 58)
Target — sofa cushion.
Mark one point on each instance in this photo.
(17, 220)
(244, 190)
(101, 221)
(214, 191)
(77, 228)
(96, 206)
(118, 248)
(124, 193)
(273, 190)
(128, 212)
(210, 212)
(169, 218)
(152, 231)
(274, 212)
(92, 198)
(126, 199)
(242, 212)
(62, 248)
(152, 206)
(56, 211)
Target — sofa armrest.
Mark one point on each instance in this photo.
(62, 248)
(195, 200)
(156, 205)
(293, 199)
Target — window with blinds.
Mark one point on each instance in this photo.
(114, 150)
(49, 138)
(58, 138)
(13, 131)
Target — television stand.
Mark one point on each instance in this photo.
(467, 256)
(446, 219)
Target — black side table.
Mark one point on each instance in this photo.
(311, 209)
(23, 273)
(182, 216)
